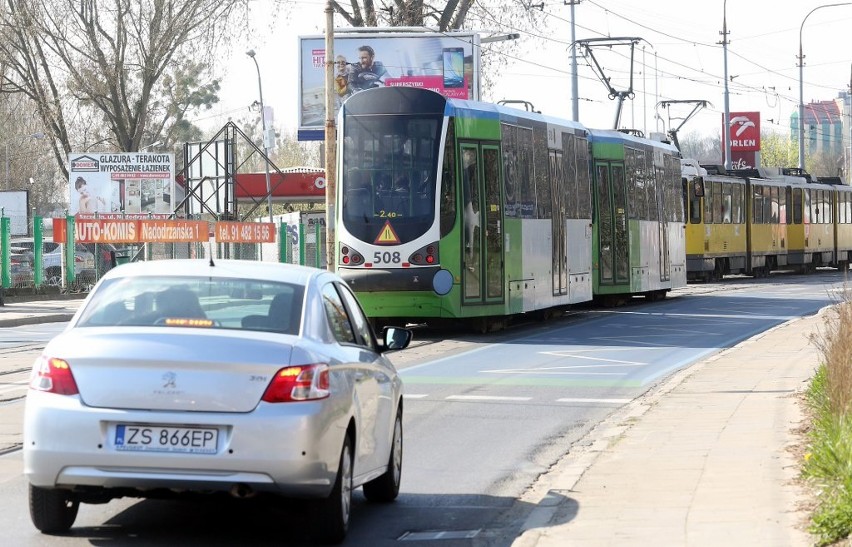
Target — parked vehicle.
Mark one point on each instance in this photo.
(203, 376)
(84, 260)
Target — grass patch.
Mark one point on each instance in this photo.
(828, 459)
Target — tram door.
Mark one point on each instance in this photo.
(612, 223)
(482, 261)
(663, 190)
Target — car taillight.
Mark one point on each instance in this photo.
(298, 383)
(53, 376)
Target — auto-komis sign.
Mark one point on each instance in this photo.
(132, 231)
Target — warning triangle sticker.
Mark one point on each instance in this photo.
(387, 236)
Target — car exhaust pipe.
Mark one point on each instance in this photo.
(242, 491)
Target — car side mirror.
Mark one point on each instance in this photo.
(396, 338)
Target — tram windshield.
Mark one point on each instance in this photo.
(389, 172)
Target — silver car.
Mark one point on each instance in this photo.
(215, 376)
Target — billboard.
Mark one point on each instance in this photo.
(123, 184)
(15, 204)
(444, 62)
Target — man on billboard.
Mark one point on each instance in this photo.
(368, 72)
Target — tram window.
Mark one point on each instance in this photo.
(773, 204)
(448, 182)
(807, 207)
(584, 188)
(641, 178)
(541, 198)
(525, 172)
(569, 172)
(757, 205)
(797, 206)
(631, 170)
(737, 204)
(708, 203)
(726, 203)
(651, 192)
(782, 206)
(511, 190)
(717, 203)
(788, 203)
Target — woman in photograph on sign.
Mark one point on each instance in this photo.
(89, 202)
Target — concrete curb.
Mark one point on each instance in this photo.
(36, 319)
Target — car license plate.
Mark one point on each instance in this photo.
(161, 438)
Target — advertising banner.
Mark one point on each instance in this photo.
(132, 231)
(444, 62)
(121, 185)
(245, 232)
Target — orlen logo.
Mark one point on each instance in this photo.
(84, 164)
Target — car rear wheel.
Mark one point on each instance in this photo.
(333, 516)
(52, 511)
(386, 487)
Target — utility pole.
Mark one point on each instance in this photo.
(726, 127)
(575, 88)
(330, 139)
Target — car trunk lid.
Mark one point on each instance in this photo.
(173, 368)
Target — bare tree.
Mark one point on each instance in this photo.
(74, 58)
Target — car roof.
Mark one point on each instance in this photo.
(224, 268)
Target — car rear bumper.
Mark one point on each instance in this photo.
(287, 449)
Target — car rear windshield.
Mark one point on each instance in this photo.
(217, 303)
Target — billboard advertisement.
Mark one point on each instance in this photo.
(123, 184)
(444, 62)
(15, 204)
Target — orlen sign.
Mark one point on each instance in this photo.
(744, 131)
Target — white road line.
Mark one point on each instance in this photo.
(414, 395)
(485, 398)
(605, 401)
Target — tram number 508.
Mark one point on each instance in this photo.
(386, 257)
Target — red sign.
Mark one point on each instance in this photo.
(132, 231)
(285, 185)
(744, 131)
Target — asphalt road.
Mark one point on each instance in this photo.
(486, 416)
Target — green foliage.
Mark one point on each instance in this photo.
(828, 462)
(777, 150)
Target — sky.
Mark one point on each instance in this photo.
(678, 57)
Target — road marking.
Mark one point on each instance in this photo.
(431, 536)
(485, 398)
(604, 401)
(575, 354)
(414, 395)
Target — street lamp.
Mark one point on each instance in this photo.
(802, 84)
(251, 54)
(33, 136)
(152, 145)
(726, 129)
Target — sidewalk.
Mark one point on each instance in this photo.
(705, 460)
(26, 310)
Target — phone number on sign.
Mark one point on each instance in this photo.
(245, 232)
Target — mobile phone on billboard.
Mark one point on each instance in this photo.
(453, 67)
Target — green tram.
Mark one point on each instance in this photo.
(458, 210)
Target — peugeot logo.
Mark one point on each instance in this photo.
(169, 380)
